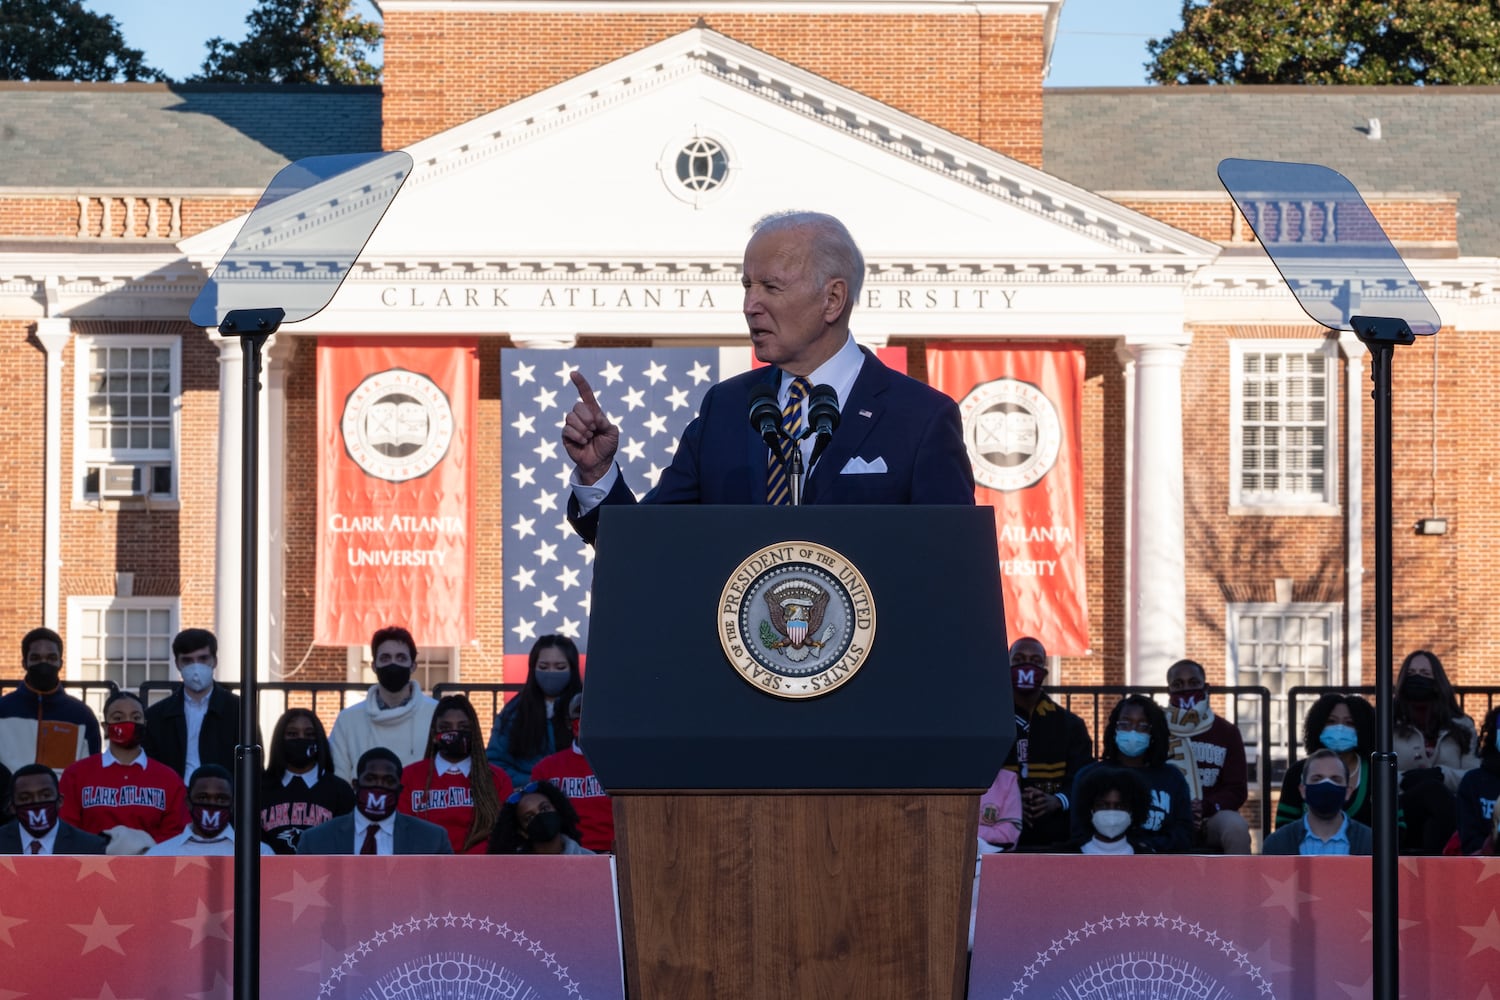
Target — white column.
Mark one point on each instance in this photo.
(271, 641)
(54, 334)
(1127, 365)
(1356, 389)
(1158, 588)
(227, 535)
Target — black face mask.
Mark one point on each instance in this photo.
(393, 679)
(1419, 688)
(544, 827)
(42, 677)
(298, 751)
(453, 745)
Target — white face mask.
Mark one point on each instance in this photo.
(1110, 823)
(197, 677)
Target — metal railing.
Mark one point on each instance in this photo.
(1469, 699)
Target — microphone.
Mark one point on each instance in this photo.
(822, 416)
(765, 415)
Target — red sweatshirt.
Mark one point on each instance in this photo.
(150, 797)
(449, 802)
(571, 771)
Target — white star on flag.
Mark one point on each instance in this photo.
(650, 394)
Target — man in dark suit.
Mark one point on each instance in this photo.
(199, 723)
(375, 827)
(898, 441)
(36, 829)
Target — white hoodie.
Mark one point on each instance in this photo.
(402, 730)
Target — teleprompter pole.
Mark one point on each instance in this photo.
(1381, 337)
(253, 327)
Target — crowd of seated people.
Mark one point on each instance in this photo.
(1169, 779)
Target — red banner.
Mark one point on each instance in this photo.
(1022, 412)
(395, 490)
(1278, 928)
(341, 928)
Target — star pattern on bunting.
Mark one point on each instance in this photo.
(100, 933)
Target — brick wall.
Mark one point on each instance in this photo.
(977, 75)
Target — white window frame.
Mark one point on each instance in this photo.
(1307, 505)
(79, 607)
(1332, 611)
(84, 456)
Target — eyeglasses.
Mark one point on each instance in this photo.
(514, 798)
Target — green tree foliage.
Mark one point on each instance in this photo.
(297, 41)
(60, 40)
(1331, 41)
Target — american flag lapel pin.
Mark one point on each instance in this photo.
(866, 413)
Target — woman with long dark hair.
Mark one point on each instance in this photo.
(1434, 743)
(534, 723)
(299, 789)
(1137, 738)
(453, 785)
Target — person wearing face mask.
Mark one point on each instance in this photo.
(122, 792)
(1479, 790)
(199, 722)
(1137, 738)
(537, 819)
(1345, 725)
(534, 723)
(395, 714)
(1210, 753)
(299, 789)
(40, 723)
(1435, 746)
(571, 771)
(210, 830)
(1324, 829)
(1118, 806)
(454, 786)
(37, 829)
(375, 827)
(1052, 745)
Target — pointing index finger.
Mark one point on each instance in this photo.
(585, 391)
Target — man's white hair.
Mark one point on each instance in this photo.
(834, 253)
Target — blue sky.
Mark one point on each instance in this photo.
(1100, 43)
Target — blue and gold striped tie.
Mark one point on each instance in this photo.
(778, 480)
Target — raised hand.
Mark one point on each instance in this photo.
(590, 439)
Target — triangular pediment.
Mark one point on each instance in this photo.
(584, 179)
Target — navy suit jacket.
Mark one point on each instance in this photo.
(913, 428)
(70, 840)
(410, 836)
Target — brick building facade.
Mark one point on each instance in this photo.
(543, 134)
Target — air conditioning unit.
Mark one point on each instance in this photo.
(118, 482)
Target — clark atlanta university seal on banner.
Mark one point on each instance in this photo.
(397, 425)
(1013, 433)
(796, 619)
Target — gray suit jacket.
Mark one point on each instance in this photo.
(411, 835)
(70, 840)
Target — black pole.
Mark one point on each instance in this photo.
(1381, 336)
(253, 327)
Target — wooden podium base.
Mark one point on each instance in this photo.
(798, 895)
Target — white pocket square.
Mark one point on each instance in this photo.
(857, 466)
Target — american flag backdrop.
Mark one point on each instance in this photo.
(650, 394)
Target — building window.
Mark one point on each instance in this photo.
(1279, 647)
(1283, 398)
(697, 167)
(127, 640)
(129, 390)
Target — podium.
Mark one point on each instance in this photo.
(781, 835)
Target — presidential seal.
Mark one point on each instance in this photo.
(397, 425)
(1013, 433)
(796, 619)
